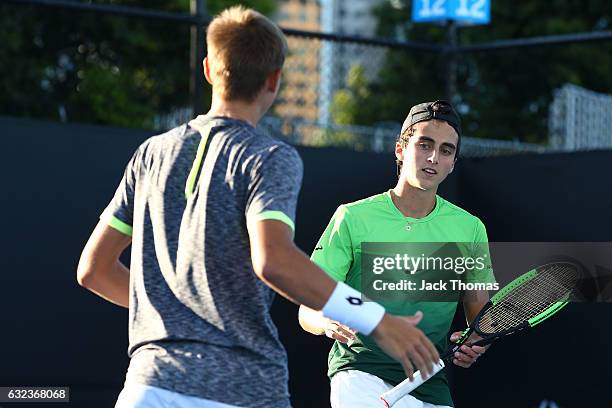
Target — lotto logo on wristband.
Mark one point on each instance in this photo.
(354, 301)
(341, 307)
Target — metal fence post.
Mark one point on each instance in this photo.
(197, 9)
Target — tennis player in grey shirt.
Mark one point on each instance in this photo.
(196, 299)
(209, 210)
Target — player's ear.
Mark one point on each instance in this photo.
(399, 151)
(206, 66)
(273, 81)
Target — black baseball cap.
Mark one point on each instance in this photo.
(439, 109)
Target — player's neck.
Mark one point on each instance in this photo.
(248, 112)
(413, 202)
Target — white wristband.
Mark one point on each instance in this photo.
(345, 305)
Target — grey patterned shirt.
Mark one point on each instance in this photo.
(199, 321)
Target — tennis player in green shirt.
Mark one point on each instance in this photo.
(426, 153)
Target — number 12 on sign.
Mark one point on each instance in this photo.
(466, 11)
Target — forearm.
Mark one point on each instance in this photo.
(112, 283)
(291, 273)
(473, 303)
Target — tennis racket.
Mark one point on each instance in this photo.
(525, 302)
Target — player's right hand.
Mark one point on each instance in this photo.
(401, 339)
(337, 331)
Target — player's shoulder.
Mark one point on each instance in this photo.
(261, 140)
(263, 147)
(254, 140)
(375, 200)
(158, 144)
(449, 209)
(265, 143)
(161, 140)
(364, 205)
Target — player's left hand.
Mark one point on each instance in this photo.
(467, 355)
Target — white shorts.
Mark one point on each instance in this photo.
(356, 389)
(145, 396)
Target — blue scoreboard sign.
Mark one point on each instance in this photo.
(462, 11)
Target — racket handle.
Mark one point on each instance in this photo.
(406, 387)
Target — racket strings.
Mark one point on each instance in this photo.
(536, 296)
(530, 299)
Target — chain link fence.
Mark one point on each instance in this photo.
(580, 119)
(336, 90)
(330, 97)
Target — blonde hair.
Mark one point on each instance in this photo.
(244, 48)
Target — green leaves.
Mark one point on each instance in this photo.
(95, 68)
(503, 94)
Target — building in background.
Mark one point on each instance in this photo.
(346, 17)
(316, 69)
(298, 98)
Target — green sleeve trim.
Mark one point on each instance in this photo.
(120, 226)
(274, 215)
(197, 163)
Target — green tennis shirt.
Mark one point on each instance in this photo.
(377, 219)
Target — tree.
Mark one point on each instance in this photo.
(503, 94)
(94, 68)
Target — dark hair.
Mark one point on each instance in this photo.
(402, 139)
